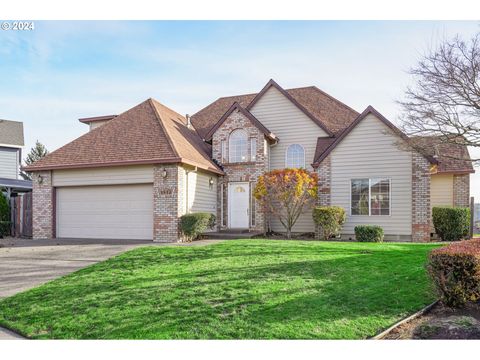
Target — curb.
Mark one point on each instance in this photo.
(11, 333)
(403, 321)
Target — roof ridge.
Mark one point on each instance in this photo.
(160, 121)
(166, 107)
(231, 96)
(15, 121)
(333, 98)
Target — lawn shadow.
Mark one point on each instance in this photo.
(227, 292)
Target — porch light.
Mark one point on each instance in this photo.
(210, 182)
(40, 179)
(164, 173)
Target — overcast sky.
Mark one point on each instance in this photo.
(65, 70)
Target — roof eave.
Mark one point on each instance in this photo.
(97, 165)
(97, 118)
(456, 172)
(121, 163)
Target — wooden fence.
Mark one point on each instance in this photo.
(21, 209)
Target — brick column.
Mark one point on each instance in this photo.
(42, 205)
(324, 187)
(461, 190)
(167, 200)
(421, 212)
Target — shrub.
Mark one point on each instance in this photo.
(192, 225)
(330, 220)
(455, 271)
(4, 228)
(451, 223)
(369, 233)
(4, 215)
(4, 208)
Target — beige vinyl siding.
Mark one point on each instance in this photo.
(9, 163)
(441, 190)
(135, 174)
(201, 198)
(291, 126)
(369, 151)
(96, 124)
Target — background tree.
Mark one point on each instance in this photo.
(443, 104)
(286, 194)
(36, 153)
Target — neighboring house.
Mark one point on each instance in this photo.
(132, 175)
(11, 144)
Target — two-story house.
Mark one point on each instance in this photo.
(11, 144)
(133, 175)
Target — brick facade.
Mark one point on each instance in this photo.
(324, 172)
(421, 212)
(240, 172)
(43, 205)
(461, 190)
(167, 201)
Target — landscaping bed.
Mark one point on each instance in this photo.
(441, 322)
(249, 289)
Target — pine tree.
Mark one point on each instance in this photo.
(36, 153)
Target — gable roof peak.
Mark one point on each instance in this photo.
(236, 106)
(320, 156)
(271, 83)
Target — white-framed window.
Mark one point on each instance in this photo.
(253, 149)
(238, 146)
(370, 197)
(223, 149)
(295, 156)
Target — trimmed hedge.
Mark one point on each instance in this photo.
(369, 233)
(451, 223)
(330, 220)
(192, 225)
(455, 271)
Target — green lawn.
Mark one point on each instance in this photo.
(252, 289)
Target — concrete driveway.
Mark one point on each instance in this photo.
(25, 264)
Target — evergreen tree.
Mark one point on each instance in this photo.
(36, 153)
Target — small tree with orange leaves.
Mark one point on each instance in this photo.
(286, 194)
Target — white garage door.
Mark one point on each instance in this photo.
(105, 212)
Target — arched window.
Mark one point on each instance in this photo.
(238, 146)
(295, 157)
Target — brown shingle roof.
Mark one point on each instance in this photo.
(147, 133)
(330, 112)
(11, 132)
(451, 157)
(322, 145)
(248, 115)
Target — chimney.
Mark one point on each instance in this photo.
(189, 123)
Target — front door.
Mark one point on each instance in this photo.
(238, 205)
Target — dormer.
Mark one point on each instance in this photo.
(97, 121)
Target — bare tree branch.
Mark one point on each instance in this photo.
(444, 102)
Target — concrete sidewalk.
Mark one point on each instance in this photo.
(25, 264)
